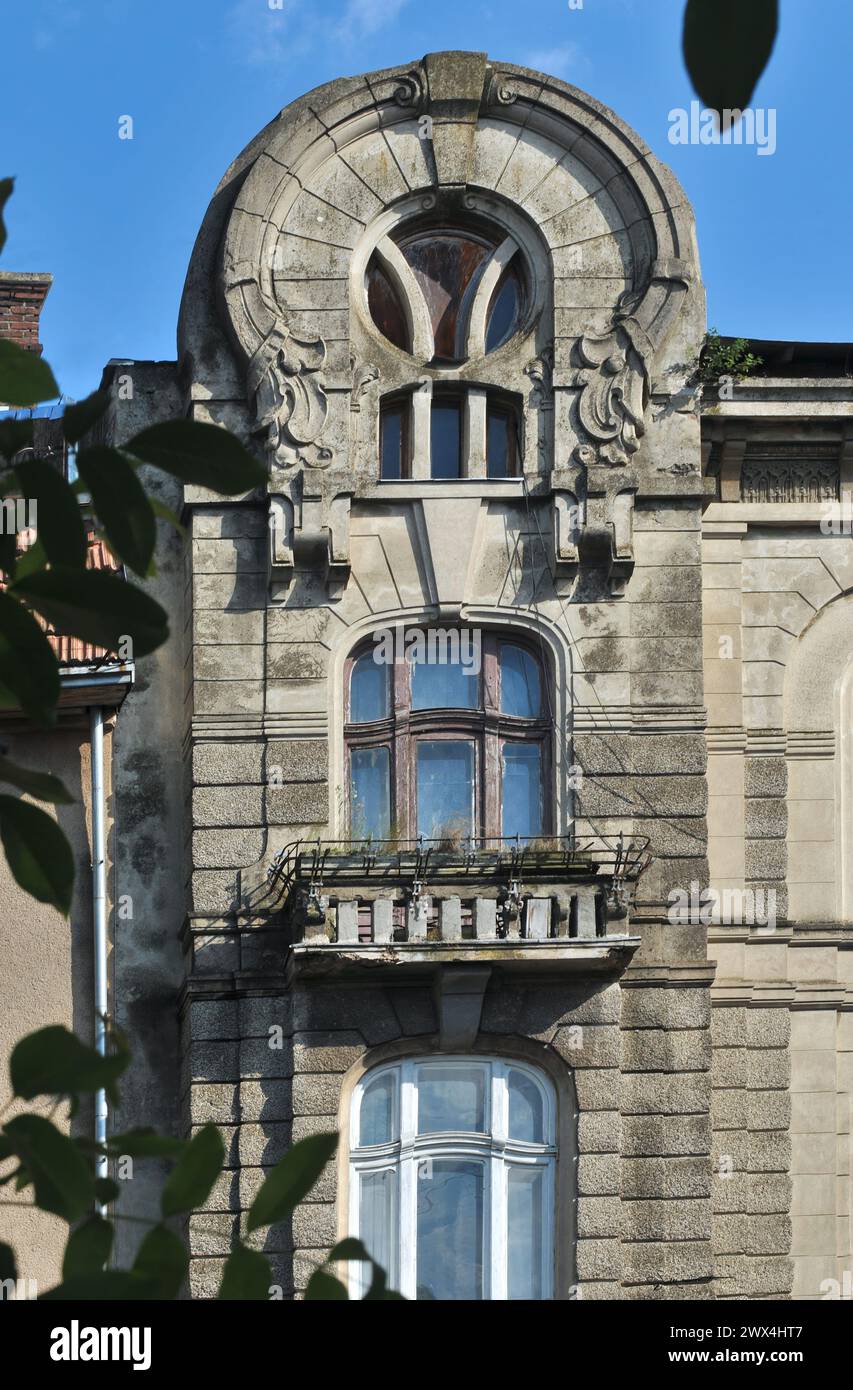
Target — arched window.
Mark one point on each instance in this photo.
(452, 1177)
(447, 737)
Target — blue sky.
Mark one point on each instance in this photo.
(115, 220)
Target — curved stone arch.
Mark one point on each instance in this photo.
(558, 651)
(542, 1057)
(307, 185)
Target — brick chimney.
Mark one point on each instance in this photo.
(22, 296)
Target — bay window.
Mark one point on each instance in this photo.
(452, 1178)
(447, 737)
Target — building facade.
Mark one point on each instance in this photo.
(513, 720)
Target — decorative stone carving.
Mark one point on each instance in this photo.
(795, 478)
(498, 91)
(614, 382)
(412, 90)
(362, 375)
(284, 382)
(541, 373)
(309, 529)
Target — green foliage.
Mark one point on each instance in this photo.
(727, 44)
(61, 1172)
(718, 359)
(51, 577)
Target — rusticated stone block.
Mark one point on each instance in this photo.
(262, 1145)
(754, 1194)
(205, 1277)
(266, 1017)
(658, 1049)
(314, 1225)
(263, 1101)
(214, 1104)
(298, 803)
(667, 1261)
(688, 1219)
(666, 1177)
(738, 1234)
(598, 1259)
(317, 1093)
(298, 760)
(765, 1152)
(599, 1131)
(598, 1175)
(666, 1007)
(228, 764)
(649, 1093)
(599, 1218)
(765, 777)
(749, 1276)
(259, 1060)
(767, 1027)
(329, 1051)
(728, 1026)
(211, 1233)
(766, 818)
(766, 860)
(662, 1135)
(598, 1090)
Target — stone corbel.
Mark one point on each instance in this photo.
(311, 533)
(606, 540)
(459, 992)
(567, 517)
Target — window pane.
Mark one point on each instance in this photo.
(500, 444)
(445, 772)
(376, 1121)
(378, 1222)
(443, 678)
(504, 313)
(444, 263)
(521, 688)
(392, 431)
(526, 1118)
(450, 1230)
(385, 308)
(525, 1229)
(371, 792)
(521, 809)
(368, 698)
(451, 1098)
(446, 440)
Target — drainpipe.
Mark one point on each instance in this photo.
(99, 904)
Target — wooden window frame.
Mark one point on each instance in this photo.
(486, 725)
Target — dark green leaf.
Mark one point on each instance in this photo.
(33, 559)
(107, 1286)
(25, 378)
(88, 1248)
(349, 1249)
(38, 784)
(201, 454)
(325, 1287)
(97, 606)
(145, 1143)
(162, 1259)
(27, 662)
(7, 1262)
(62, 1178)
(6, 189)
(14, 436)
(247, 1276)
(54, 1062)
(727, 44)
(80, 417)
(60, 523)
(189, 1183)
(291, 1180)
(106, 1190)
(122, 505)
(38, 853)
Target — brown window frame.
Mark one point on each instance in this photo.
(486, 726)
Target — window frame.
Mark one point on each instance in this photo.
(407, 1150)
(486, 725)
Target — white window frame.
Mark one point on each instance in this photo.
(408, 1150)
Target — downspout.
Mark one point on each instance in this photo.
(99, 907)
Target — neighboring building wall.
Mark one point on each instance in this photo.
(22, 296)
(778, 636)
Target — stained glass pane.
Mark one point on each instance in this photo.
(444, 264)
(386, 309)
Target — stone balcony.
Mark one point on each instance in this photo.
(407, 907)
